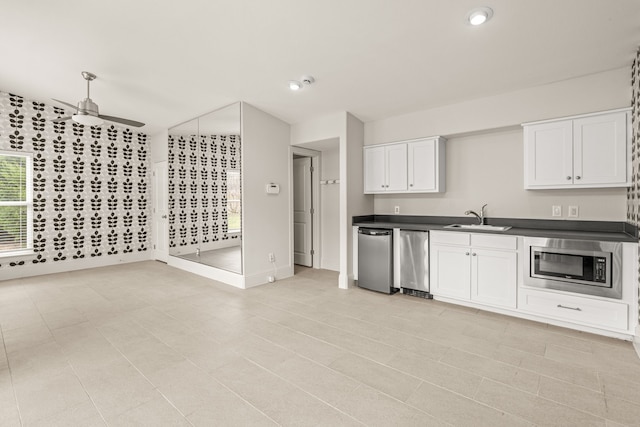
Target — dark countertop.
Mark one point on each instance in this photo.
(560, 229)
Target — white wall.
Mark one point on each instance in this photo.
(352, 198)
(266, 218)
(485, 151)
(320, 129)
(602, 91)
(159, 147)
(330, 212)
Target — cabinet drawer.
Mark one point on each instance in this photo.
(450, 238)
(494, 242)
(587, 311)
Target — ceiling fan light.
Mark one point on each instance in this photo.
(87, 119)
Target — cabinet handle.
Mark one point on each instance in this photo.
(474, 254)
(410, 185)
(569, 308)
(578, 177)
(466, 253)
(568, 178)
(382, 186)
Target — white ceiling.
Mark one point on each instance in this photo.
(163, 62)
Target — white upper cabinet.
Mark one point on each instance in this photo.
(385, 168)
(411, 166)
(426, 160)
(396, 167)
(579, 152)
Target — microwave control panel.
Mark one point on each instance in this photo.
(600, 270)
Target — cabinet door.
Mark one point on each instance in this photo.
(600, 149)
(374, 169)
(548, 154)
(422, 165)
(450, 271)
(396, 167)
(493, 277)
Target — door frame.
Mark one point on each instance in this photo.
(315, 201)
(160, 255)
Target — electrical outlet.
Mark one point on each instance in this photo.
(396, 209)
(573, 212)
(556, 210)
(272, 257)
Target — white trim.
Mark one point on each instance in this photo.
(316, 164)
(578, 116)
(9, 256)
(636, 340)
(207, 271)
(49, 267)
(228, 277)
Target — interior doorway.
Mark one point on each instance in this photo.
(306, 207)
(302, 211)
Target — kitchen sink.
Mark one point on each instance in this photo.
(483, 227)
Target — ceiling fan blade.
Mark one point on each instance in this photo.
(122, 121)
(75, 107)
(61, 119)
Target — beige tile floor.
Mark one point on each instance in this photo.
(146, 344)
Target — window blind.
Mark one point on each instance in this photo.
(14, 202)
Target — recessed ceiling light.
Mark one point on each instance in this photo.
(479, 15)
(299, 84)
(295, 85)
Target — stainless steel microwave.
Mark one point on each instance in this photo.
(580, 266)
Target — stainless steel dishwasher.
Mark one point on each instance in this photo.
(375, 259)
(414, 263)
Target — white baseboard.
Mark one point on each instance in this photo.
(262, 277)
(345, 281)
(207, 271)
(234, 279)
(636, 340)
(29, 269)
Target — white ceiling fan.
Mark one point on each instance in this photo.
(87, 110)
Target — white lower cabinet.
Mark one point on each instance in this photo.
(474, 267)
(574, 308)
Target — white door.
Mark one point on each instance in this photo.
(493, 277)
(374, 170)
(160, 212)
(600, 149)
(421, 161)
(549, 154)
(302, 212)
(450, 271)
(396, 156)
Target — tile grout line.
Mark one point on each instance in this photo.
(75, 373)
(143, 376)
(13, 387)
(192, 363)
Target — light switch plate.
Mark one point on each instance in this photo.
(556, 210)
(396, 209)
(573, 212)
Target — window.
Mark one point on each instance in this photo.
(16, 208)
(234, 210)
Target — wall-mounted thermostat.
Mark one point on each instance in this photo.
(273, 188)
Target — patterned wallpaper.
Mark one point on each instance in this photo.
(633, 194)
(91, 184)
(198, 190)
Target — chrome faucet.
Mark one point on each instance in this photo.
(480, 217)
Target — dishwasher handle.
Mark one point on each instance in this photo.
(374, 232)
